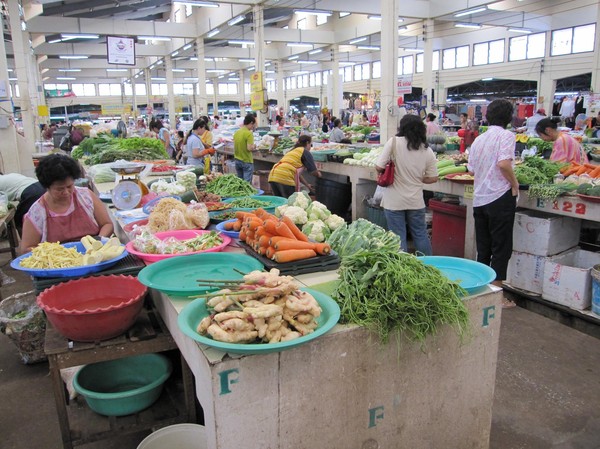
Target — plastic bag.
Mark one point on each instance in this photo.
(179, 220)
(102, 173)
(24, 323)
(147, 243)
(198, 214)
(172, 245)
(3, 205)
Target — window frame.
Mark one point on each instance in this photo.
(527, 38)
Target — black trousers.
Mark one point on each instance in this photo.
(494, 233)
(282, 190)
(29, 196)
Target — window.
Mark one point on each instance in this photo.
(435, 61)
(140, 89)
(488, 52)
(527, 47)
(305, 80)
(210, 89)
(89, 90)
(188, 10)
(110, 89)
(407, 65)
(155, 89)
(573, 40)
(366, 71)
(183, 89)
(449, 58)
(56, 86)
(311, 79)
(318, 79)
(348, 73)
(232, 88)
(377, 69)
(271, 86)
(358, 72)
(420, 62)
(293, 82)
(288, 83)
(302, 24)
(300, 82)
(321, 19)
(454, 57)
(177, 89)
(462, 56)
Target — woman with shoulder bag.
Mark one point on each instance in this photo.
(415, 165)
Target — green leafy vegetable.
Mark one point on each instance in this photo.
(230, 186)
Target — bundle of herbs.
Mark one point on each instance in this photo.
(387, 290)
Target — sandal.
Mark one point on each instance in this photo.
(508, 304)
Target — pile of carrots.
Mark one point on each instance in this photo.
(278, 239)
(579, 169)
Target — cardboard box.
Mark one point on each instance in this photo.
(544, 234)
(526, 272)
(567, 278)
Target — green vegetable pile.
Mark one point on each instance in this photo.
(535, 170)
(284, 143)
(387, 290)
(249, 203)
(551, 191)
(104, 149)
(541, 145)
(230, 186)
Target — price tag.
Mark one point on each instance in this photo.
(469, 191)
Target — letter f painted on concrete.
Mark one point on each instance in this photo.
(375, 414)
(227, 381)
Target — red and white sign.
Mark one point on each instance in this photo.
(404, 84)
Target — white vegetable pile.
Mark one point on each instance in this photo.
(364, 159)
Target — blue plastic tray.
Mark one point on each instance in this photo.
(67, 272)
(469, 274)
(194, 312)
(222, 230)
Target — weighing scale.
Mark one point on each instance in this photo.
(128, 193)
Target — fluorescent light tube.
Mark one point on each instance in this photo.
(213, 33)
(73, 57)
(368, 47)
(65, 78)
(345, 64)
(198, 3)
(300, 72)
(221, 76)
(16, 79)
(307, 62)
(190, 79)
(247, 60)
(154, 38)
(291, 58)
(269, 71)
(235, 20)
(374, 17)
(402, 28)
(175, 53)
(519, 30)
(314, 12)
(234, 79)
(116, 70)
(194, 58)
(55, 41)
(240, 42)
(178, 70)
(357, 40)
(314, 52)
(215, 71)
(79, 36)
(69, 70)
(299, 44)
(487, 79)
(467, 25)
(413, 50)
(159, 62)
(157, 78)
(467, 12)
(187, 47)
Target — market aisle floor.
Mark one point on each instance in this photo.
(547, 389)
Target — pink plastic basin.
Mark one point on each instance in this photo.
(94, 308)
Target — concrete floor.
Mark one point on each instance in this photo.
(547, 389)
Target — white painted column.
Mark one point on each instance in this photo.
(148, 82)
(281, 103)
(133, 79)
(8, 136)
(20, 42)
(389, 68)
(596, 61)
(241, 93)
(170, 94)
(546, 89)
(215, 96)
(259, 52)
(202, 102)
(335, 102)
(428, 78)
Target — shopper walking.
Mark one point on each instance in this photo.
(243, 146)
(491, 159)
(403, 201)
(283, 174)
(194, 148)
(164, 136)
(565, 148)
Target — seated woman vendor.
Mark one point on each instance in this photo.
(65, 212)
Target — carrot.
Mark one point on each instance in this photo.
(260, 212)
(270, 226)
(236, 226)
(249, 235)
(260, 231)
(322, 248)
(254, 223)
(596, 172)
(264, 240)
(269, 252)
(278, 238)
(297, 232)
(591, 166)
(292, 255)
(571, 171)
(581, 170)
(566, 168)
(240, 215)
(228, 225)
(283, 230)
(243, 235)
(285, 244)
(262, 250)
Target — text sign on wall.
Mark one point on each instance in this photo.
(120, 50)
(404, 84)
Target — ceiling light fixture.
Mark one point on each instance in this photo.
(116, 70)
(65, 78)
(346, 64)
(16, 79)
(357, 40)
(221, 76)
(234, 78)
(194, 58)
(269, 71)
(314, 12)
(368, 47)
(175, 53)
(178, 70)
(154, 38)
(299, 44)
(300, 72)
(158, 78)
(190, 79)
(215, 71)
(520, 30)
(213, 33)
(73, 57)
(402, 28)
(467, 25)
(413, 50)
(236, 20)
(240, 42)
(198, 3)
(67, 36)
(314, 52)
(307, 62)
(467, 12)
(159, 62)
(374, 17)
(187, 47)
(69, 70)
(487, 79)
(55, 41)
(247, 60)
(291, 58)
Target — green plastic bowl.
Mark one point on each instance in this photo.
(274, 201)
(124, 386)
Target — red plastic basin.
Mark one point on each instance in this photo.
(94, 308)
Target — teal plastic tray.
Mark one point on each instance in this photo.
(194, 312)
(274, 201)
(469, 274)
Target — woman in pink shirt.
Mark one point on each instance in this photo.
(432, 127)
(565, 148)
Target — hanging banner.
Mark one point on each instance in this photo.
(120, 50)
(404, 84)
(258, 100)
(256, 82)
(58, 93)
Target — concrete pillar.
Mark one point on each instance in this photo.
(148, 87)
(546, 88)
(241, 93)
(201, 71)
(23, 70)
(389, 69)
(428, 78)
(170, 94)
(335, 102)
(134, 107)
(259, 52)
(596, 61)
(281, 103)
(8, 136)
(215, 96)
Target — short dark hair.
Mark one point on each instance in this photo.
(431, 117)
(336, 122)
(303, 140)
(199, 124)
(57, 167)
(544, 123)
(181, 134)
(413, 130)
(249, 119)
(499, 113)
(464, 114)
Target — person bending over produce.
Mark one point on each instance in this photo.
(243, 146)
(283, 174)
(415, 165)
(194, 148)
(65, 212)
(565, 148)
(496, 188)
(165, 137)
(23, 189)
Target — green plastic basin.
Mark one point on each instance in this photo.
(124, 386)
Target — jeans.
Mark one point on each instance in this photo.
(244, 170)
(397, 221)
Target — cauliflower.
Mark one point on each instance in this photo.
(295, 213)
(317, 211)
(334, 221)
(316, 230)
(280, 210)
(299, 199)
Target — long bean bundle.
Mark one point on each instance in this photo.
(386, 290)
(230, 186)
